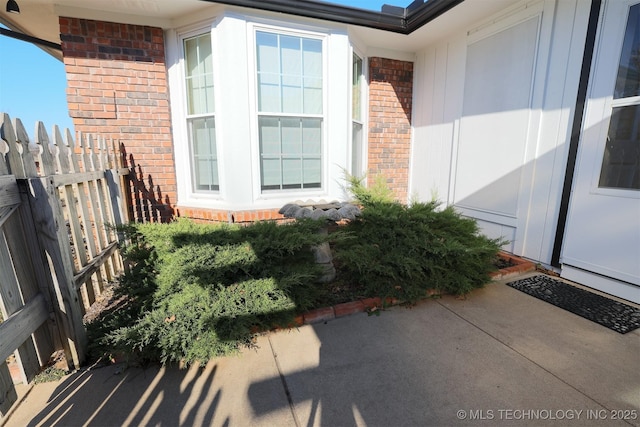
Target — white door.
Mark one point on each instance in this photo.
(602, 241)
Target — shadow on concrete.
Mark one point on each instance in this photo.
(116, 395)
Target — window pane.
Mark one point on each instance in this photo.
(312, 96)
(291, 173)
(312, 173)
(268, 61)
(291, 137)
(356, 154)
(291, 56)
(205, 54)
(621, 162)
(204, 156)
(311, 136)
(628, 81)
(267, 48)
(270, 170)
(193, 95)
(356, 88)
(199, 74)
(312, 58)
(191, 56)
(290, 150)
(269, 93)
(289, 74)
(291, 94)
(269, 135)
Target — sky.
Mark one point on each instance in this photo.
(33, 83)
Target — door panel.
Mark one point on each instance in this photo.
(603, 227)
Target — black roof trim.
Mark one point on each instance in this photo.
(30, 39)
(427, 12)
(413, 17)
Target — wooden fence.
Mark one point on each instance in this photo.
(59, 199)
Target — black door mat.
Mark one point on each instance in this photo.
(612, 314)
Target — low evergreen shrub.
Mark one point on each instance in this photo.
(196, 291)
(401, 251)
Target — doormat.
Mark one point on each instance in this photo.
(609, 313)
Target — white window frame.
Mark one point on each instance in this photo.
(608, 103)
(187, 193)
(364, 117)
(190, 118)
(289, 194)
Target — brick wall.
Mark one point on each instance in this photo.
(117, 87)
(229, 216)
(390, 97)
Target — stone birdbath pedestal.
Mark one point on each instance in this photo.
(331, 212)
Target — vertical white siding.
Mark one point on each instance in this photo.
(494, 118)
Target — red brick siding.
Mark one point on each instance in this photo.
(390, 102)
(229, 216)
(117, 87)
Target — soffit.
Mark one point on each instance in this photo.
(39, 18)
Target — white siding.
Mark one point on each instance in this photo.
(493, 119)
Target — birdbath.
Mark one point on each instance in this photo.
(332, 212)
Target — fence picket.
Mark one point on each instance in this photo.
(8, 394)
(14, 153)
(13, 299)
(28, 149)
(27, 274)
(73, 152)
(84, 157)
(4, 149)
(62, 180)
(87, 234)
(91, 153)
(62, 158)
(104, 156)
(54, 241)
(42, 141)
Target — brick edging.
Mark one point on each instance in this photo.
(521, 266)
(325, 314)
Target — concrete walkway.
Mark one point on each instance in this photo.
(500, 357)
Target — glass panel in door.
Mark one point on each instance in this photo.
(621, 159)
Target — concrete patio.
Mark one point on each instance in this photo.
(497, 357)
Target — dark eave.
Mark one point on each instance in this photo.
(391, 18)
(30, 39)
(427, 12)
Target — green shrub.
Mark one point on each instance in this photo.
(378, 192)
(194, 291)
(401, 251)
(198, 291)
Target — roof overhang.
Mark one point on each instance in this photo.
(390, 18)
(38, 22)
